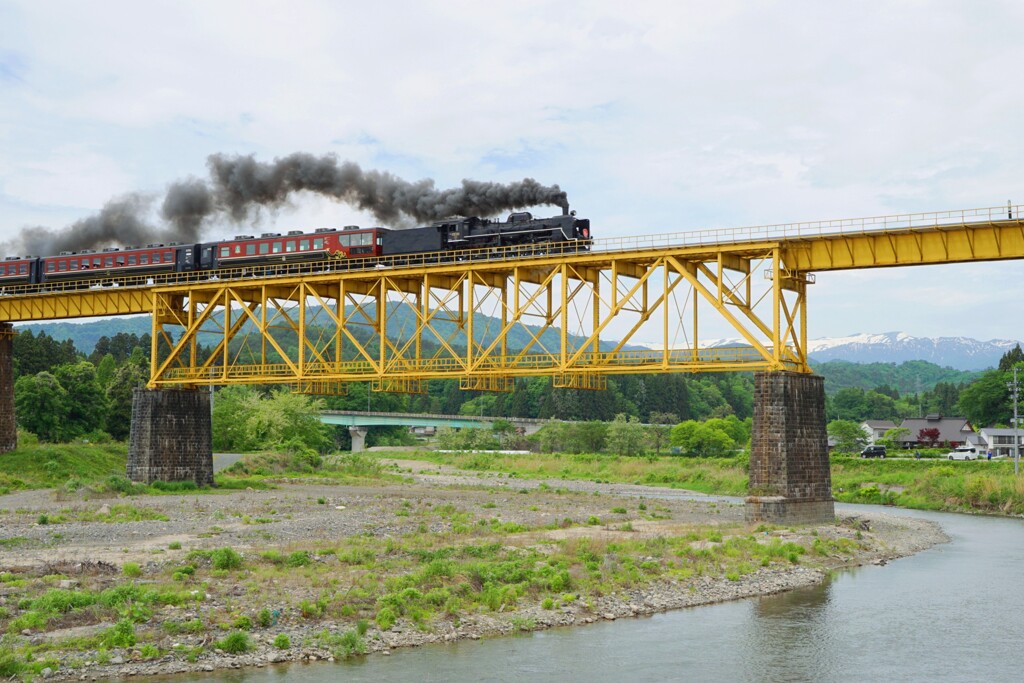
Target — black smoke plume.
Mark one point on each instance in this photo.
(240, 187)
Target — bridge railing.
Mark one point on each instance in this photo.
(811, 229)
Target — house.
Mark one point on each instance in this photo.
(952, 431)
(999, 440)
(876, 429)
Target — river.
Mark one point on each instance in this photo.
(951, 613)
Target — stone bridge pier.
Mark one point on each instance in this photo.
(171, 437)
(8, 427)
(790, 479)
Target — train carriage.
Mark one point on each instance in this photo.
(296, 246)
(17, 270)
(110, 262)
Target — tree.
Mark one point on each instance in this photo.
(894, 437)
(711, 438)
(120, 394)
(986, 402)
(661, 426)
(244, 420)
(928, 435)
(1011, 358)
(626, 435)
(41, 405)
(86, 402)
(848, 435)
(34, 354)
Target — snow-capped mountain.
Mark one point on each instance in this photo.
(962, 353)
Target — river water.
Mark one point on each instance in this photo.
(951, 613)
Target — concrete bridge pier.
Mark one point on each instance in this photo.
(358, 435)
(171, 436)
(790, 479)
(8, 427)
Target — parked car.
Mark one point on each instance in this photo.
(873, 452)
(963, 453)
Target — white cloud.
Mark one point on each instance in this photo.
(653, 116)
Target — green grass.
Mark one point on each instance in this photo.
(982, 486)
(725, 476)
(925, 484)
(42, 465)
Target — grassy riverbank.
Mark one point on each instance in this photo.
(977, 486)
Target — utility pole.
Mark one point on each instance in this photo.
(1014, 388)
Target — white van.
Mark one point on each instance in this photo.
(963, 453)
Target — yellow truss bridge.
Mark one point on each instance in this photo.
(488, 317)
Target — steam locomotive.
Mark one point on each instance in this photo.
(564, 232)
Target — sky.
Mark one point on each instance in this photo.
(654, 117)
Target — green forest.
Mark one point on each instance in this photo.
(63, 393)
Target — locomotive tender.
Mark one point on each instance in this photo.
(270, 249)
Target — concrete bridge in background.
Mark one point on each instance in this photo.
(357, 422)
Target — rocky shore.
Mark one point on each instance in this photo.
(315, 512)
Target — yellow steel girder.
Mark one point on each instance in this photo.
(397, 328)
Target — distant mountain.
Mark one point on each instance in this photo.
(908, 377)
(401, 323)
(960, 353)
(86, 334)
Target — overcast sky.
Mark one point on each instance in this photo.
(653, 116)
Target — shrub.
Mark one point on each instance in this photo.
(264, 618)
(121, 634)
(235, 643)
(243, 623)
(131, 570)
(300, 558)
(386, 618)
(225, 558)
(282, 642)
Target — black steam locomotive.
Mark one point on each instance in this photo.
(558, 233)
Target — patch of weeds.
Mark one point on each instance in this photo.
(265, 618)
(131, 569)
(225, 558)
(235, 643)
(386, 618)
(619, 510)
(121, 634)
(282, 642)
(174, 545)
(300, 558)
(521, 623)
(344, 645)
(313, 610)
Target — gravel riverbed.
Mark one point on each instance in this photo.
(300, 514)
